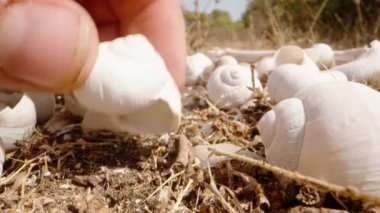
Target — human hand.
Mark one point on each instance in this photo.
(52, 45)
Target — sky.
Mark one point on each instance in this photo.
(235, 7)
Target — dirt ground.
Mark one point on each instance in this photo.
(67, 170)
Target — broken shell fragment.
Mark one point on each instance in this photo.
(130, 87)
(229, 86)
(17, 118)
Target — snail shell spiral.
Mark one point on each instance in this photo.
(228, 86)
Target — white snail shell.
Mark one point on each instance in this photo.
(131, 86)
(328, 131)
(17, 118)
(44, 104)
(294, 55)
(223, 60)
(365, 68)
(322, 54)
(228, 86)
(287, 55)
(196, 65)
(288, 79)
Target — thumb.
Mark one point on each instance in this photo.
(46, 45)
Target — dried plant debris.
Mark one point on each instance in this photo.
(62, 169)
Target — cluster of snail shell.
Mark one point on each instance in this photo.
(229, 83)
(324, 123)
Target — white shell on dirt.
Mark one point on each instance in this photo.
(228, 86)
(223, 60)
(293, 55)
(196, 65)
(366, 68)
(17, 118)
(130, 87)
(328, 131)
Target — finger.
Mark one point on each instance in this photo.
(47, 43)
(15, 84)
(161, 21)
(105, 19)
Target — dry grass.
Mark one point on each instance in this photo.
(74, 171)
(270, 31)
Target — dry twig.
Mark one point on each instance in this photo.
(340, 191)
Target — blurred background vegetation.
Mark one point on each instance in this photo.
(272, 23)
